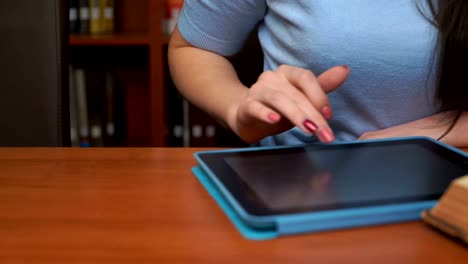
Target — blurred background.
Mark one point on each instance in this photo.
(118, 58)
(94, 73)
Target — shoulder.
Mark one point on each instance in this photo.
(220, 26)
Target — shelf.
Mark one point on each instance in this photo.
(116, 39)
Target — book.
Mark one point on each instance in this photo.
(196, 123)
(96, 137)
(84, 16)
(202, 128)
(109, 134)
(450, 214)
(186, 123)
(119, 113)
(74, 138)
(211, 132)
(107, 16)
(73, 16)
(96, 102)
(81, 106)
(95, 19)
(177, 136)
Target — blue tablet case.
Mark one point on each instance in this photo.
(317, 221)
(243, 228)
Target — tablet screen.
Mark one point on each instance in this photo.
(326, 177)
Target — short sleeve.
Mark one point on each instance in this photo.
(220, 26)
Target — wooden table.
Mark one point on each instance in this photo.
(145, 206)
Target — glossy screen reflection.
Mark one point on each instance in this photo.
(337, 177)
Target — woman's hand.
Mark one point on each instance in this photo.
(284, 98)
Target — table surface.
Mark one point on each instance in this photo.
(143, 205)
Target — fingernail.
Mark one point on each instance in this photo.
(311, 126)
(327, 112)
(325, 135)
(345, 66)
(273, 117)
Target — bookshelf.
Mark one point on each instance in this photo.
(138, 32)
(136, 54)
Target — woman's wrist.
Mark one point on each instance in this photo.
(231, 115)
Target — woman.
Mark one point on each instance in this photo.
(398, 70)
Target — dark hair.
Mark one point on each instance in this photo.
(451, 18)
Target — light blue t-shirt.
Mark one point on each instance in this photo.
(388, 45)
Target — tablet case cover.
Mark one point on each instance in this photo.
(315, 222)
(294, 224)
(244, 229)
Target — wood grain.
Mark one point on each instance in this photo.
(145, 206)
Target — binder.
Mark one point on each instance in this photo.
(84, 16)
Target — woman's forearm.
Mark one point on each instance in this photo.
(432, 126)
(206, 79)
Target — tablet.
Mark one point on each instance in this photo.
(265, 185)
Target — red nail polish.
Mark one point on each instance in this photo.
(311, 126)
(327, 112)
(273, 117)
(326, 135)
